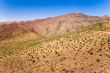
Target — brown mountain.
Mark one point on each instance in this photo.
(47, 27)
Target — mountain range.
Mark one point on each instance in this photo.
(47, 27)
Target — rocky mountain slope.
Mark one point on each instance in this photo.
(85, 50)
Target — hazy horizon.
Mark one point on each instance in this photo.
(21, 10)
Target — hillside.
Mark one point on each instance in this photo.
(46, 27)
(85, 50)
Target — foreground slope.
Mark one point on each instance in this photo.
(83, 51)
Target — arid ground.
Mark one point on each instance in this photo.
(73, 43)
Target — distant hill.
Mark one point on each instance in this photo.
(47, 27)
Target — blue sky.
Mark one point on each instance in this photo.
(35, 9)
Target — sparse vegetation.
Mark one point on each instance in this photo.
(85, 50)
